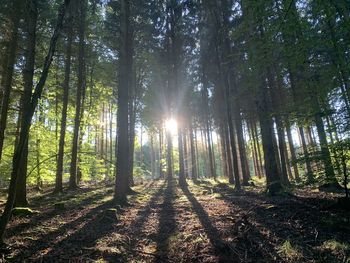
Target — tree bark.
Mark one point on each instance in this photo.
(182, 178)
(28, 73)
(161, 174)
(73, 183)
(125, 77)
(292, 151)
(194, 174)
(59, 169)
(271, 169)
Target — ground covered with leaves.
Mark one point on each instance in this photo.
(205, 222)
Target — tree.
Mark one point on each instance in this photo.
(124, 83)
(79, 95)
(59, 171)
(7, 77)
(28, 73)
(23, 137)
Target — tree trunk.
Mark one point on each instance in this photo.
(223, 152)
(28, 73)
(185, 153)
(231, 178)
(73, 184)
(271, 169)
(125, 77)
(281, 148)
(194, 174)
(197, 152)
(326, 156)
(241, 146)
(182, 178)
(152, 157)
(161, 174)
(169, 156)
(254, 151)
(110, 137)
(132, 113)
(292, 151)
(59, 169)
(309, 172)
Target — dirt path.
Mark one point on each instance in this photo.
(204, 222)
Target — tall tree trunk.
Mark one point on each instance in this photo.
(194, 174)
(282, 152)
(110, 136)
(182, 178)
(292, 151)
(169, 156)
(231, 177)
(241, 146)
(161, 174)
(335, 154)
(271, 169)
(59, 169)
(254, 151)
(309, 172)
(260, 159)
(39, 182)
(326, 156)
(102, 140)
(80, 87)
(197, 152)
(152, 157)
(132, 113)
(233, 147)
(223, 151)
(185, 153)
(125, 77)
(28, 73)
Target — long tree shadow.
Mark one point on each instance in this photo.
(37, 220)
(167, 224)
(221, 248)
(300, 219)
(70, 241)
(50, 242)
(134, 230)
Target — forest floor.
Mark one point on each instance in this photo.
(204, 222)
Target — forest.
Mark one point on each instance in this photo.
(175, 131)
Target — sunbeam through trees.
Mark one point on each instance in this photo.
(174, 131)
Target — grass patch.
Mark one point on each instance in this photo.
(287, 250)
(335, 245)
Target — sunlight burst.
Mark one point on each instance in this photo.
(171, 125)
